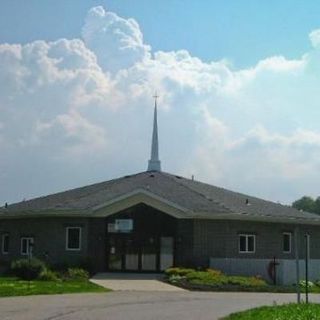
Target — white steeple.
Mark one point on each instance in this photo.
(154, 163)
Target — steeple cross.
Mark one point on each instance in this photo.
(155, 98)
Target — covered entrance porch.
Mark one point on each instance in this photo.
(140, 239)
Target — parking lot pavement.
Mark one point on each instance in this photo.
(137, 305)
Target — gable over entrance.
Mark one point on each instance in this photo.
(136, 197)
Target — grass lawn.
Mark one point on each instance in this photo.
(15, 287)
(283, 312)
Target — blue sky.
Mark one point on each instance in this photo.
(243, 32)
(238, 83)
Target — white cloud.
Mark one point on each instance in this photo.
(314, 37)
(117, 42)
(77, 111)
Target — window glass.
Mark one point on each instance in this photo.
(287, 242)
(243, 245)
(250, 243)
(246, 243)
(5, 243)
(73, 238)
(26, 244)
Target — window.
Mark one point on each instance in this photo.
(73, 238)
(5, 243)
(26, 245)
(286, 242)
(247, 243)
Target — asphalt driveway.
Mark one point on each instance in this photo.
(136, 305)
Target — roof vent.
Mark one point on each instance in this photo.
(151, 175)
(247, 202)
(6, 205)
(178, 177)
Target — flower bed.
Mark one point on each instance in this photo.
(215, 280)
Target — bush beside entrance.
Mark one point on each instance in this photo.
(33, 276)
(211, 279)
(215, 280)
(31, 269)
(27, 269)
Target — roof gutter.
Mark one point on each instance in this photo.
(258, 218)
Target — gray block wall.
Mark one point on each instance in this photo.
(49, 238)
(220, 239)
(197, 242)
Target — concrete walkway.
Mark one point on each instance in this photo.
(133, 282)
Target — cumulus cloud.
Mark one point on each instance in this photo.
(117, 42)
(44, 82)
(78, 111)
(314, 37)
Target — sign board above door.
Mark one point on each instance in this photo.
(123, 225)
(120, 226)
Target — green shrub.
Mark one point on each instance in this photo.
(214, 272)
(175, 278)
(206, 278)
(178, 271)
(48, 275)
(84, 263)
(303, 284)
(77, 274)
(27, 269)
(218, 279)
(246, 281)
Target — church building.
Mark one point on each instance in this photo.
(152, 220)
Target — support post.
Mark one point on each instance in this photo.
(296, 247)
(307, 239)
(275, 271)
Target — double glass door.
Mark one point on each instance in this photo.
(150, 254)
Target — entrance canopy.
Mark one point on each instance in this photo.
(140, 196)
(141, 239)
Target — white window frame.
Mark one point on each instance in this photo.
(2, 243)
(290, 241)
(29, 240)
(247, 235)
(67, 239)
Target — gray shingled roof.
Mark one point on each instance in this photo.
(202, 200)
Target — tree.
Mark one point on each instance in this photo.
(317, 206)
(307, 204)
